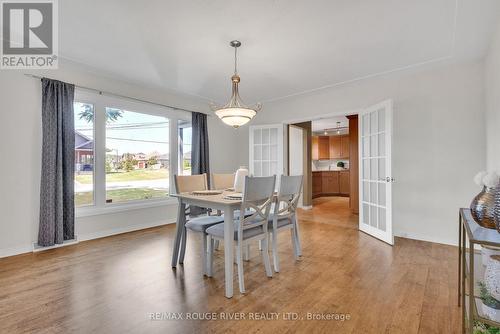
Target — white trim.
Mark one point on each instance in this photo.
(120, 230)
(16, 250)
(88, 211)
(65, 243)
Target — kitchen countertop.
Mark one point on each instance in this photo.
(333, 170)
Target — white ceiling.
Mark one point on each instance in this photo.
(289, 46)
(320, 125)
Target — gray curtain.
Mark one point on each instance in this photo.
(57, 210)
(199, 151)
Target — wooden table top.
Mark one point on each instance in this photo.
(216, 199)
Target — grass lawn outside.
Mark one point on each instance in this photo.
(135, 175)
(121, 195)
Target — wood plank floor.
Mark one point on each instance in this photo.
(112, 285)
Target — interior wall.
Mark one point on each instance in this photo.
(438, 143)
(492, 93)
(20, 148)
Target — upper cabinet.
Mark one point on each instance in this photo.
(330, 147)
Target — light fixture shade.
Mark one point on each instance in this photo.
(235, 117)
(235, 113)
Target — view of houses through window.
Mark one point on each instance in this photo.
(84, 154)
(136, 158)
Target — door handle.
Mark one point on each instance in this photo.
(387, 179)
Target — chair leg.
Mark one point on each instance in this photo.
(239, 257)
(216, 245)
(210, 261)
(297, 235)
(204, 251)
(274, 247)
(265, 257)
(294, 243)
(183, 245)
(246, 253)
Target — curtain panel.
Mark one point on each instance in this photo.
(57, 209)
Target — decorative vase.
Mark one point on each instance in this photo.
(239, 179)
(483, 208)
(491, 313)
(486, 252)
(492, 276)
(497, 208)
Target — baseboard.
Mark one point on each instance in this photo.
(37, 248)
(11, 251)
(426, 238)
(120, 230)
(30, 248)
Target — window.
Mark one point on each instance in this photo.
(184, 132)
(122, 152)
(137, 153)
(84, 154)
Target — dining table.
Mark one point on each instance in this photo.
(221, 202)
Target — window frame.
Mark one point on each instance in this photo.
(100, 103)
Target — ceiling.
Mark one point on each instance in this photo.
(289, 46)
(319, 125)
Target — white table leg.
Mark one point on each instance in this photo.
(181, 217)
(228, 250)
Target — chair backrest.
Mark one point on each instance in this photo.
(222, 181)
(189, 183)
(288, 196)
(258, 195)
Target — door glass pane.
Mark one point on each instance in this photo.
(265, 136)
(257, 152)
(373, 123)
(84, 154)
(257, 136)
(366, 169)
(381, 219)
(373, 146)
(257, 168)
(366, 125)
(274, 168)
(381, 120)
(137, 152)
(381, 168)
(266, 168)
(273, 153)
(373, 193)
(381, 144)
(274, 136)
(381, 194)
(265, 152)
(373, 169)
(373, 216)
(184, 130)
(366, 214)
(366, 191)
(366, 146)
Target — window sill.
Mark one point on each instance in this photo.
(122, 207)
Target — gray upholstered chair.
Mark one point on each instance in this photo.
(186, 184)
(258, 196)
(284, 215)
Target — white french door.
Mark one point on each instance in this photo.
(375, 186)
(266, 150)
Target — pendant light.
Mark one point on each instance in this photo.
(235, 113)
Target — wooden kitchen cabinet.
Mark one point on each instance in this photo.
(344, 182)
(331, 183)
(334, 143)
(323, 148)
(344, 146)
(314, 148)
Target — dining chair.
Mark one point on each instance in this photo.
(284, 216)
(222, 181)
(258, 196)
(187, 184)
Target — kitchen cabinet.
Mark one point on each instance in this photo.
(344, 182)
(330, 147)
(330, 183)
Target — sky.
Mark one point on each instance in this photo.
(134, 133)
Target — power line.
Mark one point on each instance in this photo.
(139, 140)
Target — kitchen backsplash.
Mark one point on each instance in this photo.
(329, 164)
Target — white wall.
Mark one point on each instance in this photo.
(492, 92)
(439, 141)
(20, 145)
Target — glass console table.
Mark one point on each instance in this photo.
(471, 269)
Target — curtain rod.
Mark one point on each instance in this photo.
(101, 92)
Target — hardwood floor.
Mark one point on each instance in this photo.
(112, 285)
